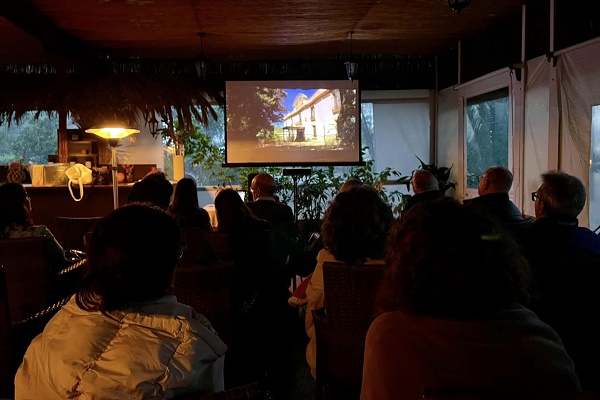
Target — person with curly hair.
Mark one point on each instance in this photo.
(450, 314)
(354, 230)
(123, 334)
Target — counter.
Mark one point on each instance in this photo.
(48, 202)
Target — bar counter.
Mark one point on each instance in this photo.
(49, 202)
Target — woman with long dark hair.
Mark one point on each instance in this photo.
(185, 207)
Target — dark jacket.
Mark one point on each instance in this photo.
(565, 264)
(497, 206)
(419, 197)
(552, 238)
(286, 241)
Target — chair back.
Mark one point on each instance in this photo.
(24, 299)
(209, 290)
(342, 328)
(198, 249)
(222, 245)
(25, 265)
(71, 231)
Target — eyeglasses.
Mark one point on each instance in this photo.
(480, 177)
(534, 196)
(252, 189)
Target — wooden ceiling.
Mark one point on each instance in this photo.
(36, 31)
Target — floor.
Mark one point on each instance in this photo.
(303, 385)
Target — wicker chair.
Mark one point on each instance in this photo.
(222, 245)
(341, 328)
(71, 231)
(25, 302)
(209, 290)
(198, 248)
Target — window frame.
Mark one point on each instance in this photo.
(486, 84)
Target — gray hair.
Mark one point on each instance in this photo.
(563, 195)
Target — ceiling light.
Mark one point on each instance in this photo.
(201, 62)
(351, 66)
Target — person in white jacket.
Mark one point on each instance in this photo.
(122, 336)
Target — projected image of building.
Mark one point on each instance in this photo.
(314, 120)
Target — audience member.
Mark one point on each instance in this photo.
(350, 184)
(287, 243)
(555, 232)
(355, 227)
(122, 334)
(449, 316)
(185, 208)
(425, 187)
(565, 259)
(259, 327)
(15, 222)
(154, 188)
(494, 185)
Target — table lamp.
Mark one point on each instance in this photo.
(114, 133)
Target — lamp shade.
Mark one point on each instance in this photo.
(351, 69)
(112, 131)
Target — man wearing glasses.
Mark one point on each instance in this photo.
(555, 232)
(565, 264)
(493, 200)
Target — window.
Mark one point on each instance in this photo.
(486, 130)
(30, 138)
(594, 198)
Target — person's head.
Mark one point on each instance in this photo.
(350, 184)
(131, 259)
(356, 225)
(15, 205)
(495, 180)
(263, 185)
(185, 196)
(447, 261)
(560, 196)
(154, 188)
(231, 210)
(424, 181)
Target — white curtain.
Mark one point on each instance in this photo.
(578, 79)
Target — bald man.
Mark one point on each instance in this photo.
(288, 240)
(493, 200)
(425, 187)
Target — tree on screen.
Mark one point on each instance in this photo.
(254, 110)
(346, 122)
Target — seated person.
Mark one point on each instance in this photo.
(15, 222)
(354, 230)
(450, 318)
(493, 189)
(555, 232)
(122, 334)
(287, 242)
(565, 261)
(154, 188)
(425, 187)
(185, 207)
